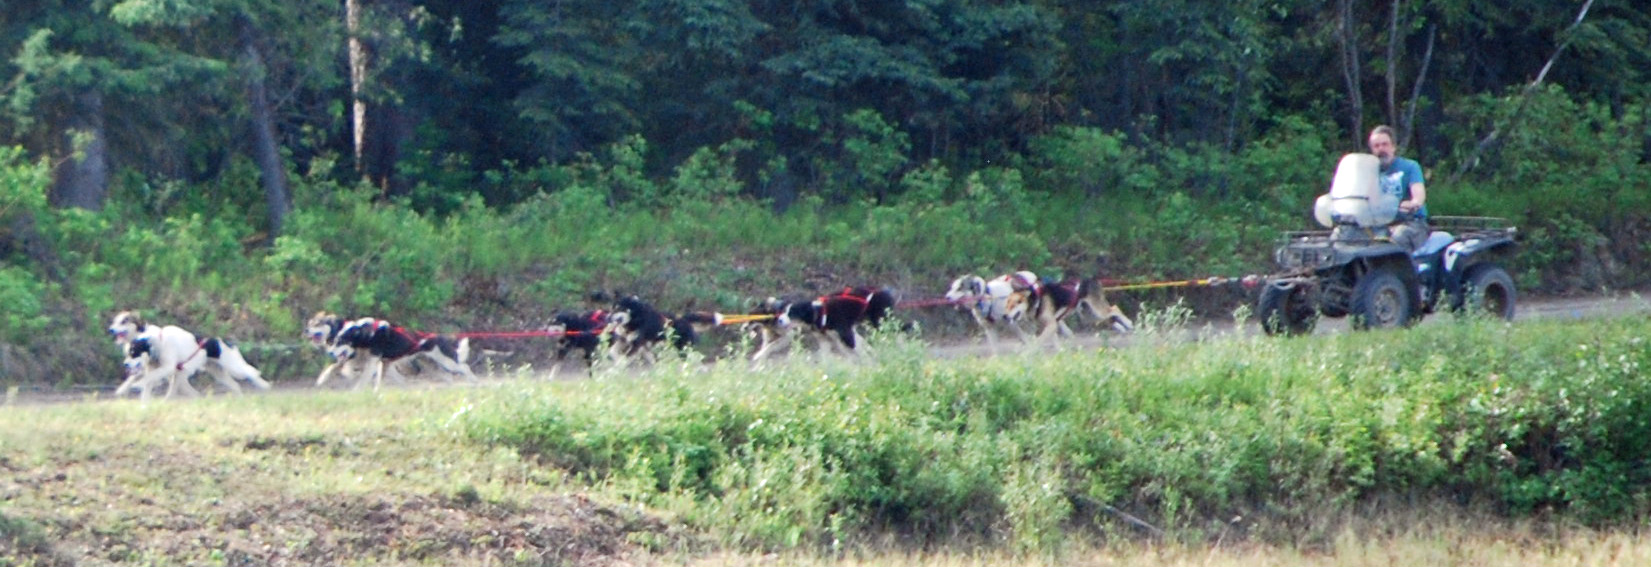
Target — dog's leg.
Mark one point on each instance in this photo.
(222, 378)
(152, 380)
(771, 341)
(1121, 322)
(462, 363)
(378, 374)
(132, 382)
(1048, 326)
(451, 367)
(143, 381)
(985, 327)
(1060, 322)
(239, 369)
(180, 377)
(861, 347)
(1014, 309)
(328, 372)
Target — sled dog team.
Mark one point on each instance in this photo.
(371, 349)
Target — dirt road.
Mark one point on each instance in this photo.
(1587, 307)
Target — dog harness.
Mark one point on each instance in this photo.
(1073, 289)
(848, 293)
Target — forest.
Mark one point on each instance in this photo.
(236, 165)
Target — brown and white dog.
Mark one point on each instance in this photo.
(384, 345)
(1057, 301)
(834, 318)
(1001, 301)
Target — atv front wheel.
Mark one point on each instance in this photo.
(1382, 301)
(1286, 308)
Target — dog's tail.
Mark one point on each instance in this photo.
(686, 329)
(880, 304)
(451, 355)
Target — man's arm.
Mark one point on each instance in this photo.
(1418, 197)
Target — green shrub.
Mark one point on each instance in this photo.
(25, 313)
(1541, 417)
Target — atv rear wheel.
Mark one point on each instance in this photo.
(1286, 308)
(1489, 289)
(1382, 300)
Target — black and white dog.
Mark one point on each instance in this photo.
(218, 357)
(577, 331)
(321, 330)
(383, 345)
(637, 328)
(170, 354)
(832, 317)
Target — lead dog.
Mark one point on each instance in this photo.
(1001, 301)
(171, 343)
(219, 358)
(385, 345)
(1060, 300)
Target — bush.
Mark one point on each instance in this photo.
(1538, 418)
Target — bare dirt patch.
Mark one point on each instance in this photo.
(136, 505)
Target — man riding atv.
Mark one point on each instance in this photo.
(1371, 267)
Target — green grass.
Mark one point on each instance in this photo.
(1535, 419)
(1238, 448)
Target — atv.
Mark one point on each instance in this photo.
(1355, 270)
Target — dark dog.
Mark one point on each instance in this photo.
(1060, 300)
(582, 331)
(637, 328)
(321, 330)
(834, 317)
(387, 344)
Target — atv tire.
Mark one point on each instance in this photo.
(1487, 288)
(1381, 300)
(1286, 309)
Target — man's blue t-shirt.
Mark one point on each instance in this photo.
(1397, 178)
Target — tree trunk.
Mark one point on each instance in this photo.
(265, 148)
(1350, 69)
(1393, 65)
(1408, 123)
(1524, 97)
(392, 127)
(82, 178)
(358, 80)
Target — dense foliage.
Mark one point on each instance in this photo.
(235, 165)
(1226, 438)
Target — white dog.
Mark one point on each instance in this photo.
(1004, 300)
(218, 357)
(170, 345)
